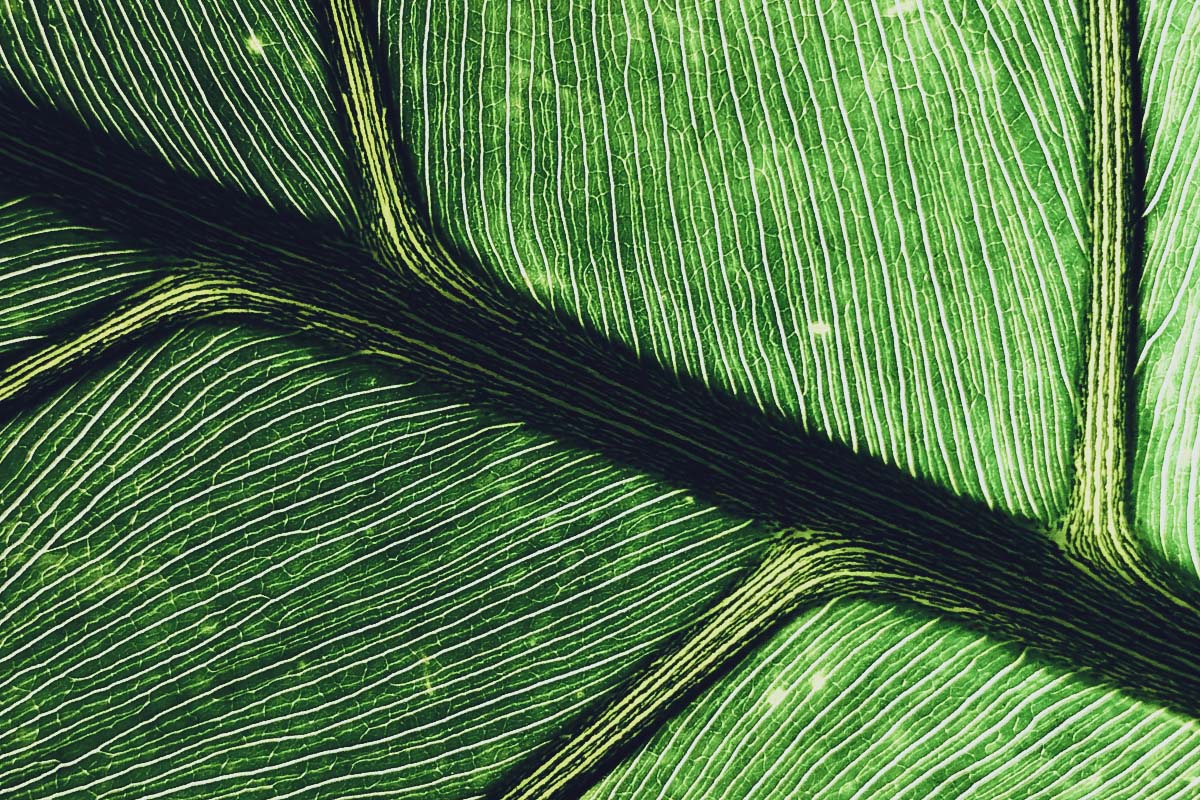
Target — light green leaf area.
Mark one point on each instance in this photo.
(234, 92)
(236, 564)
(858, 700)
(868, 214)
(53, 268)
(1167, 469)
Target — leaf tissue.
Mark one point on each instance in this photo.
(599, 399)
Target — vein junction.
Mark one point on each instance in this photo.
(847, 524)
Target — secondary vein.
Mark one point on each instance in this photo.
(1097, 527)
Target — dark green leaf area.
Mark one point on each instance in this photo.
(237, 563)
(52, 268)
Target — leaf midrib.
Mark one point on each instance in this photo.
(886, 533)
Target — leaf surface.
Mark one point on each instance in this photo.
(239, 564)
(868, 216)
(863, 699)
(53, 269)
(233, 92)
(240, 561)
(1167, 469)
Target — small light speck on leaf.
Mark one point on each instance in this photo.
(776, 697)
(255, 45)
(818, 681)
(901, 8)
(819, 327)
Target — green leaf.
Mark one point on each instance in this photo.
(236, 563)
(693, 400)
(1167, 466)
(53, 269)
(869, 218)
(236, 94)
(859, 700)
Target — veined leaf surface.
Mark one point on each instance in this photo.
(347, 538)
(870, 217)
(1167, 473)
(235, 562)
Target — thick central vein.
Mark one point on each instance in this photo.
(921, 544)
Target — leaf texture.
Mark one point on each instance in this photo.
(235, 92)
(236, 564)
(860, 699)
(1166, 479)
(53, 269)
(868, 215)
